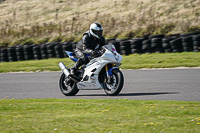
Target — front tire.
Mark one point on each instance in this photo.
(114, 88)
(67, 86)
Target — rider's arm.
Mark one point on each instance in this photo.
(86, 43)
(103, 41)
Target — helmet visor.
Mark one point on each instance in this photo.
(98, 33)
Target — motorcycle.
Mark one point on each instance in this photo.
(100, 73)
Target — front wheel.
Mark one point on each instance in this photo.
(115, 85)
(67, 86)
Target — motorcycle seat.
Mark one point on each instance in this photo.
(72, 56)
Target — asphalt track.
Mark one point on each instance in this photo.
(154, 84)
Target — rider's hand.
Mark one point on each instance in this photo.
(101, 52)
(93, 53)
(98, 53)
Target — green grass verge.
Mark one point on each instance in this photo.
(81, 115)
(33, 65)
(135, 61)
(161, 60)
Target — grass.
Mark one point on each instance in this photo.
(134, 61)
(33, 65)
(164, 60)
(39, 19)
(81, 115)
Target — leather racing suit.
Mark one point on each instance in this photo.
(88, 45)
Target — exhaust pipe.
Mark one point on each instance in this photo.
(66, 72)
(64, 69)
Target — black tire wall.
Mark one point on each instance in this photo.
(12, 54)
(20, 53)
(148, 44)
(4, 55)
(36, 52)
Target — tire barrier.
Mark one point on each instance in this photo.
(11, 54)
(136, 45)
(36, 52)
(4, 55)
(0, 53)
(176, 45)
(59, 51)
(156, 36)
(125, 47)
(166, 45)
(50, 49)
(196, 43)
(43, 50)
(28, 52)
(148, 44)
(156, 45)
(187, 43)
(20, 53)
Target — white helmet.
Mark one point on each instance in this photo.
(96, 30)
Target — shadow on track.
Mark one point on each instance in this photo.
(133, 94)
(144, 94)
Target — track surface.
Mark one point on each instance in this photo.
(156, 84)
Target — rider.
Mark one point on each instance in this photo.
(90, 44)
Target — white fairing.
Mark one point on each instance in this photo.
(93, 68)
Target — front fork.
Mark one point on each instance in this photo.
(109, 73)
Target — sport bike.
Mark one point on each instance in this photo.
(101, 72)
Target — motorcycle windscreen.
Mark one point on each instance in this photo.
(110, 47)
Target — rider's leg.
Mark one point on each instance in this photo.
(76, 66)
(82, 59)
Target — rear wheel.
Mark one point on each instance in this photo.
(67, 86)
(114, 85)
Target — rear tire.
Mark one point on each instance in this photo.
(68, 89)
(117, 84)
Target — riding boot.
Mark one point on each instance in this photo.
(73, 70)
